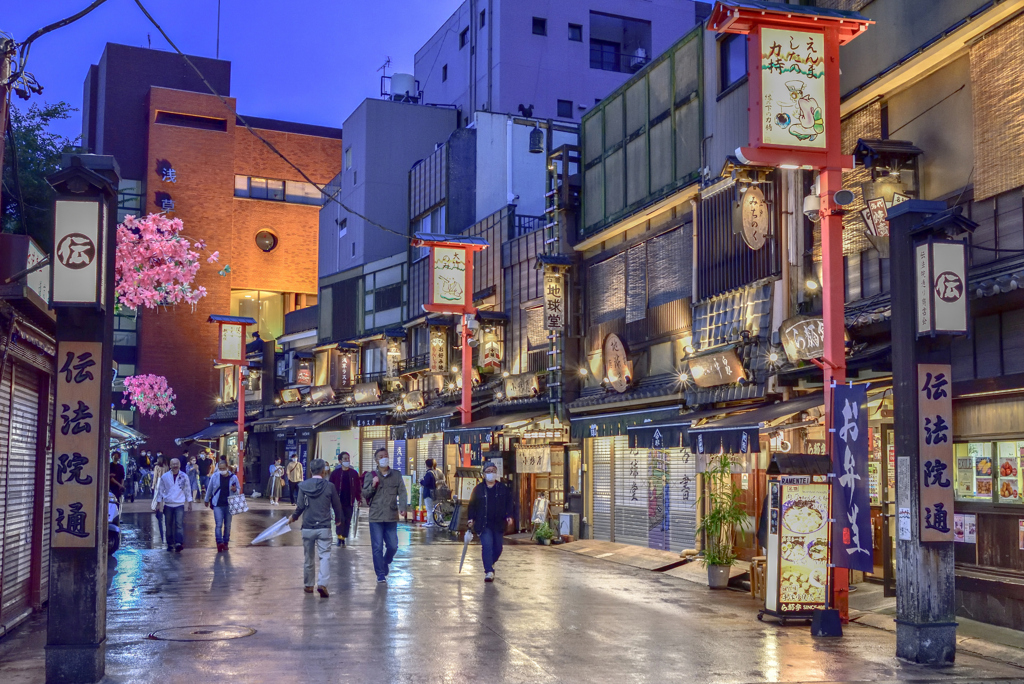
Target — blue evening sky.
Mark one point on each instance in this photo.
(311, 61)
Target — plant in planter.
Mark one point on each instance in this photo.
(723, 513)
(544, 534)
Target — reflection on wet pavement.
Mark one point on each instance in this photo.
(551, 616)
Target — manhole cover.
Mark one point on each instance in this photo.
(203, 633)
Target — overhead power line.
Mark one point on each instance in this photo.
(330, 196)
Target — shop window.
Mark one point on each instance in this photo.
(732, 60)
(974, 471)
(266, 307)
(1007, 472)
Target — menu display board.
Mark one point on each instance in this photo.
(875, 483)
(803, 570)
(1009, 472)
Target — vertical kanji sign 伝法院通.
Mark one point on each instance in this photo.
(935, 441)
(76, 445)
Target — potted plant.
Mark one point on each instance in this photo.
(544, 534)
(723, 513)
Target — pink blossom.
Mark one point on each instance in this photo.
(155, 265)
(150, 394)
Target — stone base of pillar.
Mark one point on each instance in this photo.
(76, 664)
(926, 644)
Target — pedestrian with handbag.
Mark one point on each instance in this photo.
(490, 515)
(222, 485)
(384, 493)
(317, 498)
(173, 498)
(159, 468)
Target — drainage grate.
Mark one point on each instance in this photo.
(202, 633)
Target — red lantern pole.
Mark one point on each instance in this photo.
(241, 421)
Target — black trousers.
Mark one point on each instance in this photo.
(293, 491)
(343, 526)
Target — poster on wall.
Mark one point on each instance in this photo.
(970, 528)
(958, 527)
(793, 88)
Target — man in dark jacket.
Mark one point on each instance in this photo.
(316, 498)
(490, 510)
(346, 480)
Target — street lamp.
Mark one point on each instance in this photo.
(231, 350)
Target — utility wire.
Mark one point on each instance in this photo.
(330, 196)
(27, 44)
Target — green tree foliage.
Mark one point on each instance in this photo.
(27, 199)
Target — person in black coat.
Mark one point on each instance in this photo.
(490, 511)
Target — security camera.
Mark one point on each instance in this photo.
(812, 208)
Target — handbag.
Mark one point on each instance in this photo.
(237, 504)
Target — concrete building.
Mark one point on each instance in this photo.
(182, 152)
(557, 59)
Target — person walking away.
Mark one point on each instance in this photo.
(276, 481)
(428, 485)
(384, 493)
(346, 480)
(490, 511)
(205, 470)
(131, 478)
(294, 472)
(317, 498)
(117, 475)
(159, 468)
(223, 484)
(173, 498)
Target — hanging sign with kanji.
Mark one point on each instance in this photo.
(448, 278)
(533, 459)
(935, 446)
(851, 503)
(554, 301)
(793, 88)
(76, 445)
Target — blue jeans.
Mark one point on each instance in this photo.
(222, 518)
(174, 524)
(490, 548)
(382, 533)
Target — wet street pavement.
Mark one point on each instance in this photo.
(551, 616)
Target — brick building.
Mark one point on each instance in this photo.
(183, 152)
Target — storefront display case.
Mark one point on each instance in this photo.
(798, 536)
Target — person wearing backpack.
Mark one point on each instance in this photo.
(384, 493)
(428, 487)
(490, 514)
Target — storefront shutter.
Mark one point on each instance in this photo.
(602, 482)
(20, 494)
(682, 508)
(374, 437)
(428, 446)
(632, 494)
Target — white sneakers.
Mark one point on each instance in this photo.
(489, 577)
(429, 524)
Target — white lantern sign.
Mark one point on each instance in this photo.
(941, 288)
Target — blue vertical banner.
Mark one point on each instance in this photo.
(399, 460)
(851, 505)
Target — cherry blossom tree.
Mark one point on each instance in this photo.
(150, 394)
(155, 265)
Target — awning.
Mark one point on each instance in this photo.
(119, 432)
(482, 430)
(611, 424)
(303, 424)
(209, 433)
(738, 433)
(266, 424)
(800, 464)
(367, 415)
(668, 433)
(433, 420)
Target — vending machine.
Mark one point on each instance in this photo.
(798, 508)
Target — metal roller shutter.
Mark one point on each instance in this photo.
(20, 494)
(602, 484)
(682, 469)
(428, 446)
(44, 571)
(632, 494)
(5, 433)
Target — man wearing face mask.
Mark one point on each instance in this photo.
(384, 492)
(317, 498)
(222, 484)
(173, 497)
(346, 480)
(490, 512)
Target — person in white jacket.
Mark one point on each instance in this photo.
(173, 498)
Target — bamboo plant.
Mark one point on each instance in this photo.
(722, 503)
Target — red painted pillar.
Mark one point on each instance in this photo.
(241, 422)
(833, 310)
